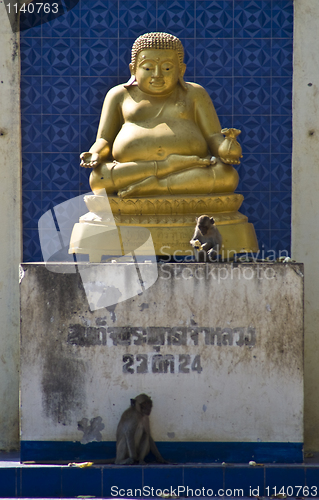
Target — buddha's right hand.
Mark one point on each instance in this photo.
(89, 160)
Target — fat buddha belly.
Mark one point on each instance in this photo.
(141, 142)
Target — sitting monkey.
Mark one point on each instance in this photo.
(207, 239)
(133, 436)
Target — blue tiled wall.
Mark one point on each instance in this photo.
(239, 50)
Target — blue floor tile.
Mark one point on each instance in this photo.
(41, 482)
(312, 483)
(197, 478)
(161, 478)
(8, 482)
(278, 480)
(246, 482)
(84, 482)
(117, 481)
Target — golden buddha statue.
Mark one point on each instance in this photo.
(158, 145)
(157, 134)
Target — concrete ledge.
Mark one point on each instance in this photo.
(218, 347)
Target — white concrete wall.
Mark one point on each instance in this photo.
(10, 240)
(244, 384)
(305, 199)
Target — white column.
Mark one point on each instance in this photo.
(305, 195)
(10, 232)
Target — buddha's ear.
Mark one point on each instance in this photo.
(132, 79)
(181, 74)
(182, 69)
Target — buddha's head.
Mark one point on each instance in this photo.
(157, 63)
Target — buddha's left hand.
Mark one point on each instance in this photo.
(89, 160)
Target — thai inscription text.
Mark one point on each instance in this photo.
(87, 336)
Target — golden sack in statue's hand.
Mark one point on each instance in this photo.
(230, 150)
(89, 160)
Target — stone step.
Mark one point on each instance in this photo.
(186, 480)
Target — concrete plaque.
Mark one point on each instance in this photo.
(218, 347)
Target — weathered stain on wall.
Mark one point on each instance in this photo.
(62, 386)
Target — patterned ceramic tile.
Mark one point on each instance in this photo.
(254, 172)
(31, 94)
(189, 56)
(281, 95)
(280, 241)
(71, 4)
(281, 134)
(221, 92)
(125, 47)
(53, 198)
(84, 186)
(252, 57)
(31, 126)
(256, 206)
(99, 18)
(93, 91)
(51, 243)
(31, 171)
(67, 25)
(31, 56)
(60, 95)
(214, 57)
(60, 133)
(31, 245)
(282, 19)
(30, 27)
(99, 57)
(60, 56)
(89, 126)
(31, 208)
(67, 213)
(252, 96)
(60, 171)
(280, 210)
(281, 55)
(39, 14)
(214, 19)
(176, 17)
(263, 238)
(136, 17)
(255, 136)
(252, 19)
(281, 172)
